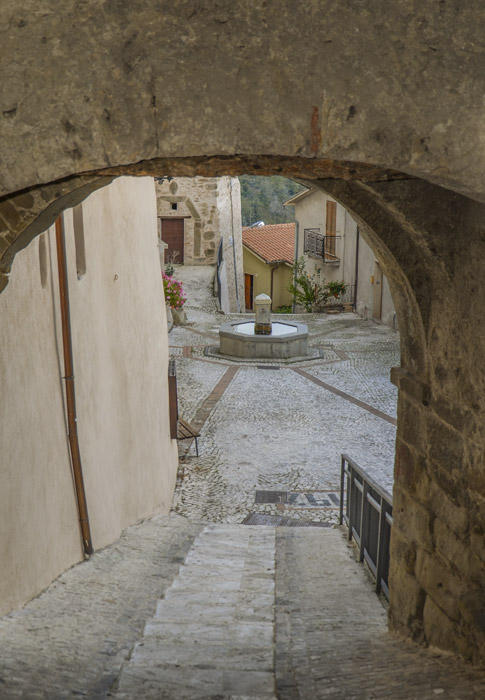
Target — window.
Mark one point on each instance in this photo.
(174, 206)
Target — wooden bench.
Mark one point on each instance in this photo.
(185, 431)
(180, 429)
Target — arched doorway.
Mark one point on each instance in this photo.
(389, 146)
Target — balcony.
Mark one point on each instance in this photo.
(326, 248)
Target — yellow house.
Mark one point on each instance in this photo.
(268, 255)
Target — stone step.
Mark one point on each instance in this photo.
(213, 631)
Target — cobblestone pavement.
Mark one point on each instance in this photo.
(276, 430)
(181, 610)
(331, 638)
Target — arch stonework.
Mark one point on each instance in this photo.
(382, 106)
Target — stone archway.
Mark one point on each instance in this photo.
(370, 103)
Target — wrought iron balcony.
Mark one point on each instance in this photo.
(327, 248)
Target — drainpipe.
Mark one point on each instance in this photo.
(297, 232)
(275, 267)
(70, 389)
(356, 266)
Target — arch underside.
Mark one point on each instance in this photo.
(371, 106)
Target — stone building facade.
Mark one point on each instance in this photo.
(197, 215)
(120, 353)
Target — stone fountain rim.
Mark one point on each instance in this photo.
(226, 329)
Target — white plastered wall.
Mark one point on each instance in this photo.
(120, 350)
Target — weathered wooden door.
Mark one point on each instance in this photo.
(377, 303)
(248, 291)
(173, 236)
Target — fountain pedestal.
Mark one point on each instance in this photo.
(262, 312)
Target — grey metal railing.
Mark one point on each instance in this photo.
(366, 508)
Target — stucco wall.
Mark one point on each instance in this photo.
(229, 207)
(310, 212)
(365, 291)
(120, 361)
(260, 271)
(253, 265)
(282, 278)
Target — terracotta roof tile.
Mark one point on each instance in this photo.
(273, 243)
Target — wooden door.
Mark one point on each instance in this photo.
(331, 228)
(173, 236)
(377, 303)
(248, 291)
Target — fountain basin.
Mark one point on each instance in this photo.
(288, 339)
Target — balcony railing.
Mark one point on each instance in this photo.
(366, 509)
(325, 247)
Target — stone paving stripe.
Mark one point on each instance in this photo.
(347, 397)
(208, 405)
(204, 334)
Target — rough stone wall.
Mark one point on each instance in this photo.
(197, 201)
(432, 243)
(153, 86)
(120, 359)
(211, 207)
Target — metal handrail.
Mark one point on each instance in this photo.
(366, 508)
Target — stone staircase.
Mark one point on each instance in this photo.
(259, 613)
(212, 635)
(177, 610)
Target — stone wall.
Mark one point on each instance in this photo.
(212, 90)
(120, 361)
(196, 199)
(211, 211)
(437, 576)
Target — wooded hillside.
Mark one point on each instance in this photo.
(262, 199)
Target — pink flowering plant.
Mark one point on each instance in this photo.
(174, 293)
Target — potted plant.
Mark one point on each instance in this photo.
(336, 289)
(175, 298)
(307, 289)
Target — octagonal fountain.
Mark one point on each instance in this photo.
(261, 338)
